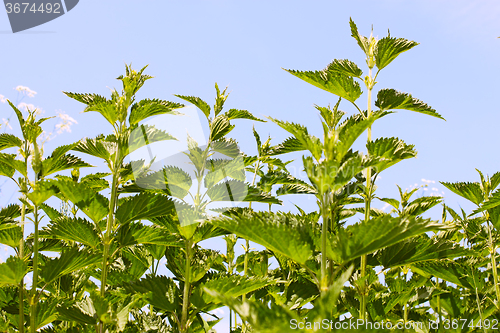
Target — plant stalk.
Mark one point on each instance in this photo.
(362, 307)
(187, 288)
(21, 256)
(107, 237)
(324, 227)
(33, 296)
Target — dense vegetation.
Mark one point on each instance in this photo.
(345, 261)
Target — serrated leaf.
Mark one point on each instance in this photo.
(469, 191)
(225, 146)
(368, 237)
(162, 292)
(447, 270)
(13, 270)
(144, 135)
(143, 206)
(10, 235)
(241, 114)
(219, 127)
(388, 48)
(70, 260)
(419, 249)
(362, 41)
(9, 164)
(334, 82)
(198, 102)
(392, 150)
(73, 230)
(235, 190)
(136, 233)
(96, 147)
(389, 99)
(290, 145)
(41, 192)
(345, 67)
(98, 104)
(9, 141)
(310, 142)
(93, 204)
(269, 230)
(151, 107)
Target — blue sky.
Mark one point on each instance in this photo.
(244, 44)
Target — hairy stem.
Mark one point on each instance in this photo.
(362, 306)
(21, 256)
(324, 275)
(187, 288)
(107, 237)
(33, 296)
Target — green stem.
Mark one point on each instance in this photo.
(362, 307)
(21, 256)
(493, 252)
(187, 288)
(324, 231)
(33, 297)
(107, 237)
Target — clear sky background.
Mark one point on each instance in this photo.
(190, 45)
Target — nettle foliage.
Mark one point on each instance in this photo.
(96, 264)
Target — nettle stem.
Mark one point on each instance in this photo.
(109, 228)
(493, 252)
(187, 288)
(324, 231)
(368, 199)
(21, 256)
(33, 296)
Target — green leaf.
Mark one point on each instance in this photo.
(93, 204)
(219, 169)
(235, 190)
(392, 150)
(136, 233)
(9, 165)
(469, 191)
(96, 147)
(419, 249)
(241, 114)
(41, 192)
(367, 237)
(421, 205)
(161, 291)
(450, 271)
(388, 99)
(230, 286)
(144, 135)
(393, 202)
(13, 270)
(73, 230)
(143, 206)
(9, 141)
(262, 319)
(151, 107)
(219, 127)
(225, 146)
(290, 145)
(64, 162)
(336, 83)
(362, 41)
(70, 260)
(269, 230)
(388, 48)
(198, 102)
(345, 67)
(97, 103)
(310, 142)
(10, 235)
(350, 130)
